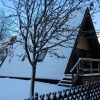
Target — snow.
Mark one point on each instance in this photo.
(98, 38)
(53, 68)
(75, 19)
(16, 67)
(50, 67)
(14, 89)
(92, 74)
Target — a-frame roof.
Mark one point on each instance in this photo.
(87, 29)
(51, 67)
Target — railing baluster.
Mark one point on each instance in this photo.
(79, 67)
(91, 67)
(98, 67)
(72, 78)
(82, 63)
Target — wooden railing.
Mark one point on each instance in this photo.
(85, 65)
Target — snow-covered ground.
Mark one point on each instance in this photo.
(14, 89)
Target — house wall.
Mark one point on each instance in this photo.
(87, 79)
(83, 43)
(90, 79)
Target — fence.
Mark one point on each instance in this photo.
(84, 92)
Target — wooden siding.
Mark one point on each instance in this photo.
(83, 43)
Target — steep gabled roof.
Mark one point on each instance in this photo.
(87, 29)
(53, 68)
(50, 67)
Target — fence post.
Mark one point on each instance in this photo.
(65, 94)
(88, 91)
(36, 96)
(54, 96)
(48, 96)
(42, 97)
(60, 95)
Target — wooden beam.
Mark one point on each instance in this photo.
(91, 66)
(90, 59)
(88, 69)
(98, 67)
(75, 66)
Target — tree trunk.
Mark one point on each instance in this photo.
(33, 81)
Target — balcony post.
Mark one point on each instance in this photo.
(72, 78)
(91, 67)
(98, 67)
(81, 63)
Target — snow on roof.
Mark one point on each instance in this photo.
(98, 38)
(13, 66)
(50, 67)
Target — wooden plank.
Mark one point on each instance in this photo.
(88, 69)
(98, 67)
(75, 66)
(91, 66)
(90, 59)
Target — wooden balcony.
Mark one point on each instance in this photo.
(85, 66)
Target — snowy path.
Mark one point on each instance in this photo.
(13, 89)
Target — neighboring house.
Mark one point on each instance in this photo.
(81, 57)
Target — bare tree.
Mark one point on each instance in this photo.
(4, 32)
(43, 26)
(5, 44)
(41, 23)
(3, 25)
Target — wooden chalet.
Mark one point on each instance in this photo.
(83, 61)
(81, 64)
